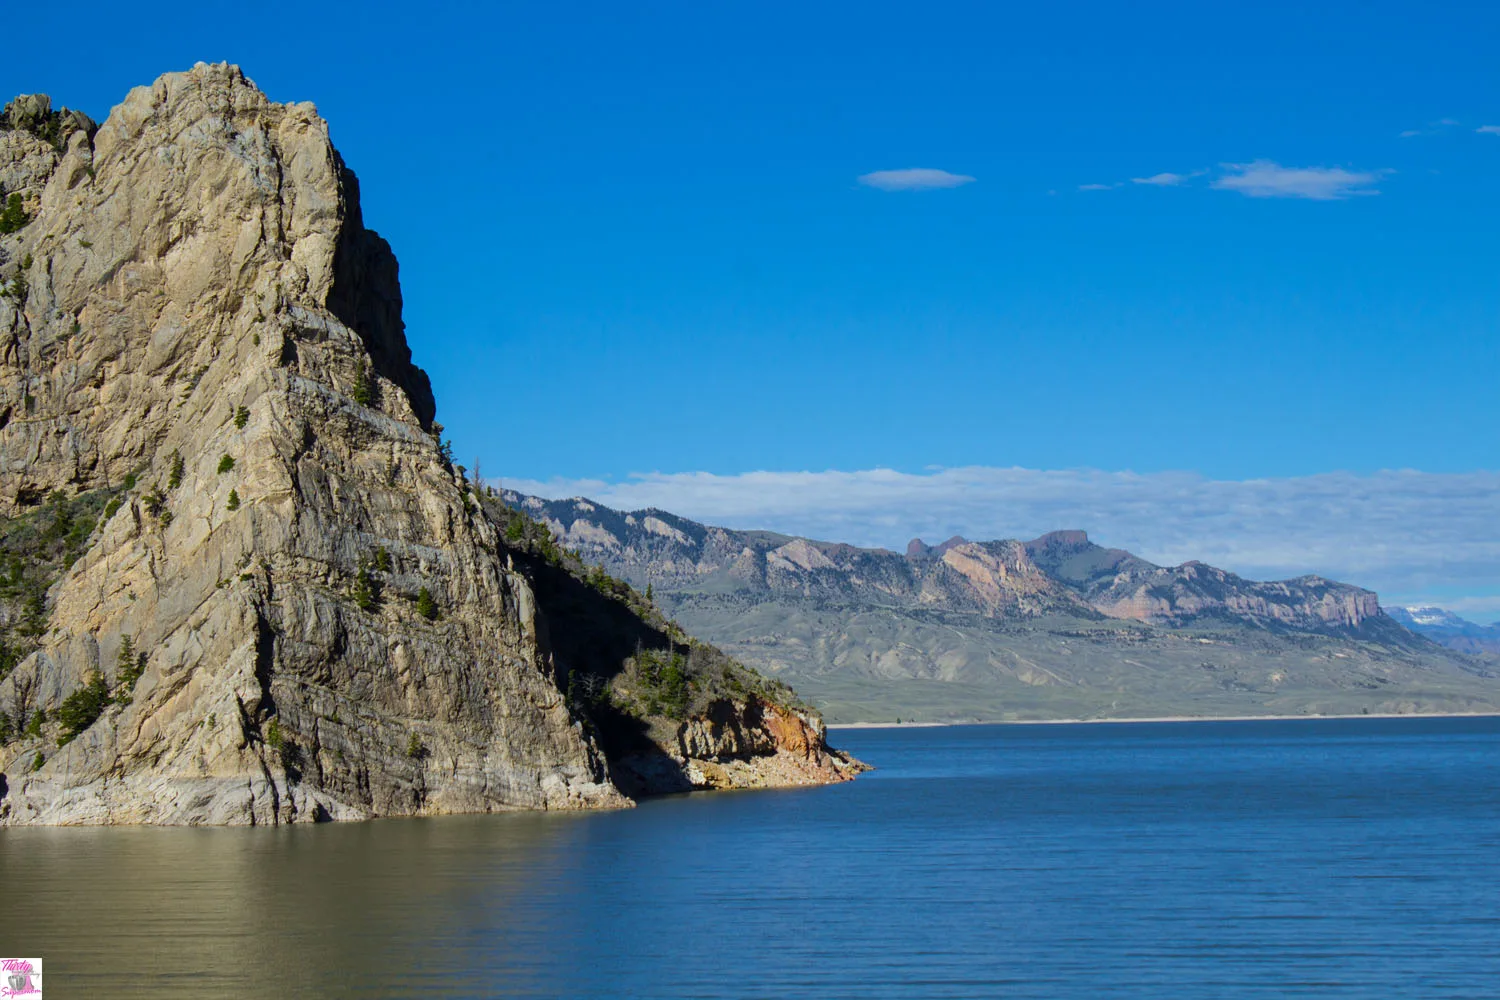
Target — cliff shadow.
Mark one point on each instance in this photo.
(591, 635)
(366, 297)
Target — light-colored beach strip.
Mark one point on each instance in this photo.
(1164, 718)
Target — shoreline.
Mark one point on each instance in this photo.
(1162, 718)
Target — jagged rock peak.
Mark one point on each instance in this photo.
(194, 307)
(33, 113)
(918, 549)
(233, 214)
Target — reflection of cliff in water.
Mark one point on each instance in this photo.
(360, 909)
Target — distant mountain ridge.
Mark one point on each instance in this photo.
(1061, 571)
(1448, 629)
(1054, 627)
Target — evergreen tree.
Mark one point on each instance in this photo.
(127, 668)
(366, 387)
(79, 709)
(426, 606)
(365, 594)
(14, 216)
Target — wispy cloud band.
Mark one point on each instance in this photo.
(1431, 128)
(1268, 179)
(1413, 536)
(1162, 179)
(914, 179)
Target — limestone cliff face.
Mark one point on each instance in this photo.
(195, 303)
(1124, 586)
(197, 284)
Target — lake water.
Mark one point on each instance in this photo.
(1331, 858)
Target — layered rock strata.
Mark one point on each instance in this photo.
(1059, 573)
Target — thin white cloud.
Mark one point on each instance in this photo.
(1414, 537)
(1489, 129)
(914, 179)
(1162, 179)
(1431, 128)
(1097, 187)
(1267, 179)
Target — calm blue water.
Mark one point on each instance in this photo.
(1270, 859)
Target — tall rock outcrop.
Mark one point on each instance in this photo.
(324, 621)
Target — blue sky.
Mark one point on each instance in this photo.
(634, 238)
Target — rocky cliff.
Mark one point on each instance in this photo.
(292, 607)
(1121, 585)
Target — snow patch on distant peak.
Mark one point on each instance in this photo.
(1426, 615)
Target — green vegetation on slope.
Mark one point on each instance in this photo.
(13, 217)
(628, 669)
(35, 549)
